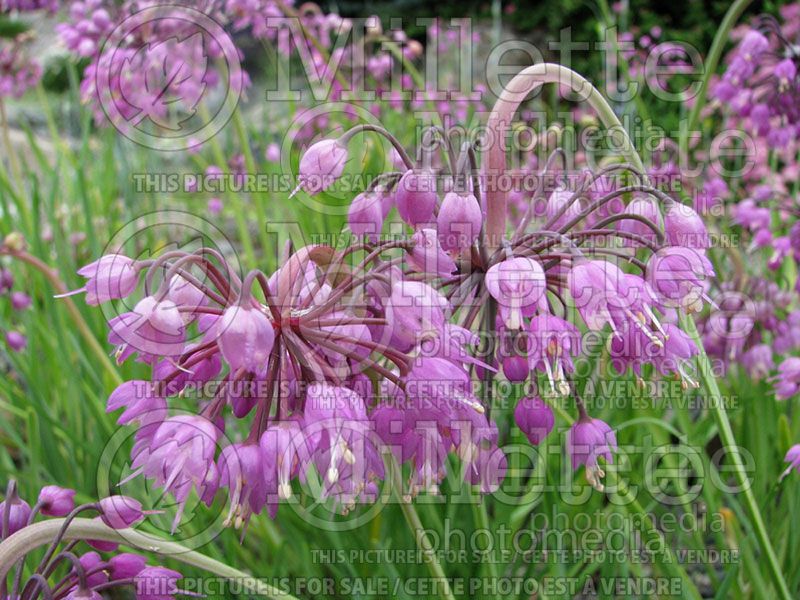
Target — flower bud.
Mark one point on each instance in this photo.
(459, 223)
(120, 512)
(321, 165)
(416, 197)
(535, 418)
(365, 216)
(56, 501)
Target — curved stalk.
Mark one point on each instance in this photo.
(42, 533)
(524, 83)
(729, 442)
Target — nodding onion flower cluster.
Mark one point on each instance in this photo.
(69, 571)
(760, 83)
(342, 355)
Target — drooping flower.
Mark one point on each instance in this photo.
(517, 284)
(111, 277)
(427, 255)
(119, 512)
(321, 165)
(245, 337)
(684, 227)
(535, 418)
(416, 197)
(587, 440)
(679, 276)
(459, 222)
(365, 216)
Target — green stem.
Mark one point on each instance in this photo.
(258, 199)
(44, 532)
(712, 60)
(728, 441)
(238, 208)
(418, 531)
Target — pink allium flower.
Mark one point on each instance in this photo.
(215, 206)
(153, 328)
(157, 583)
(788, 378)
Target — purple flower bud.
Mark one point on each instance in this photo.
(120, 512)
(535, 418)
(20, 300)
(245, 338)
(587, 440)
(684, 227)
(459, 222)
(6, 280)
(90, 561)
(427, 255)
(646, 207)
(365, 216)
(16, 341)
(517, 284)
(515, 368)
(273, 152)
(156, 583)
(321, 165)
(126, 565)
(19, 512)
(416, 197)
(56, 501)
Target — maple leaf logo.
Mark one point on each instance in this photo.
(160, 78)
